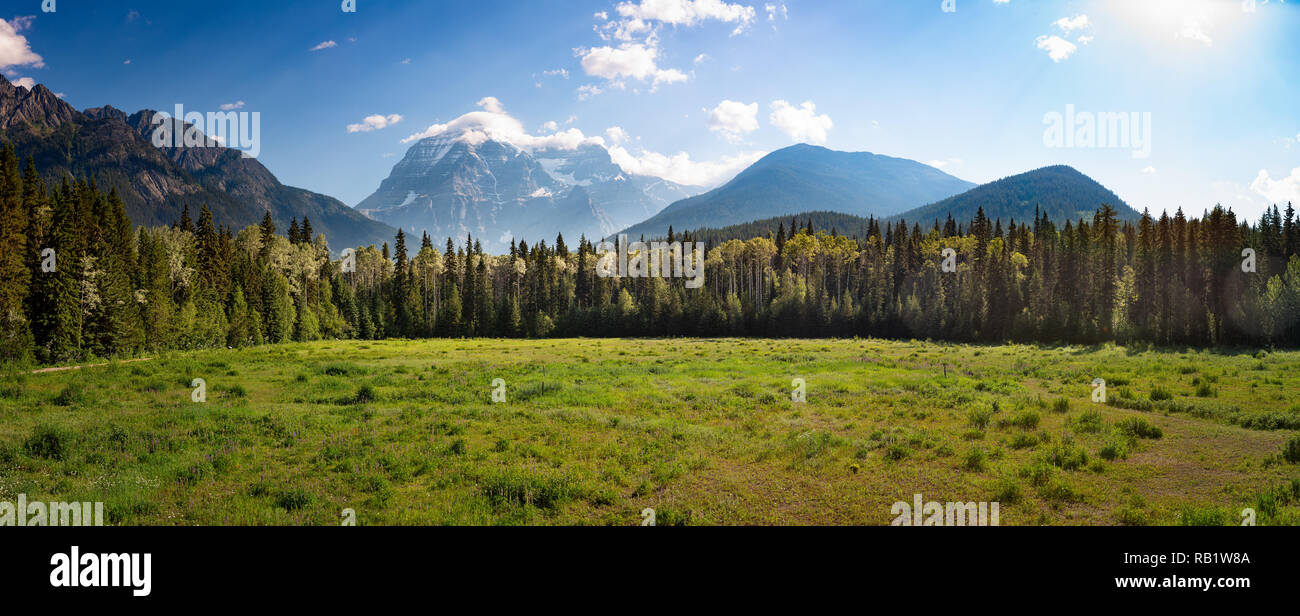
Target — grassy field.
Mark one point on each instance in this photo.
(703, 431)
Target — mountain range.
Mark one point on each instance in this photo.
(451, 185)
(805, 178)
(155, 184)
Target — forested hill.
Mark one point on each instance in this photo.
(1060, 192)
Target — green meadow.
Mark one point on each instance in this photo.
(704, 431)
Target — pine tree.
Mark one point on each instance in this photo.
(15, 333)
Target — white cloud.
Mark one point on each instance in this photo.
(374, 122)
(405, 61)
(733, 120)
(25, 82)
(1194, 29)
(14, 49)
(127, 61)
(494, 123)
(1059, 48)
(687, 12)
(701, 58)
(1279, 191)
(491, 104)
(946, 162)
(233, 106)
(1149, 170)
(1056, 47)
(588, 91)
(324, 45)
(776, 9)
(551, 126)
(628, 61)
(1070, 24)
(680, 168)
(559, 72)
(616, 135)
(801, 123)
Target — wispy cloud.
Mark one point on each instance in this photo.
(374, 122)
(324, 45)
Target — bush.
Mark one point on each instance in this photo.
(976, 460)
(1060, 490)
(1089, 422)
(897, 451)
(1132, 516)
(1024, 441)
(1204, 391)
(72, 394)
(1204, 516)
(979, 417)
(1113, 451)
(1038, 474)
(1291, 451)
(1159, 394)
(1066, 456)
(50, 442)
(1007, 490)
(295, 499)
(1061, 405)
(1027, 420)
(365, 394)
(1138, 427)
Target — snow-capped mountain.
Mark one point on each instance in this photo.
(453, 185)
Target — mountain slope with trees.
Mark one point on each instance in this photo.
(156, 184)
(1061, 193)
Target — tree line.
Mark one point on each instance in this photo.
(77, 280)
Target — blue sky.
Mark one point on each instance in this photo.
(694, 90)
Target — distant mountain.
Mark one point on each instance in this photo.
(116, 150)
(806, 178)
(1061, 192)
(451, 185)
